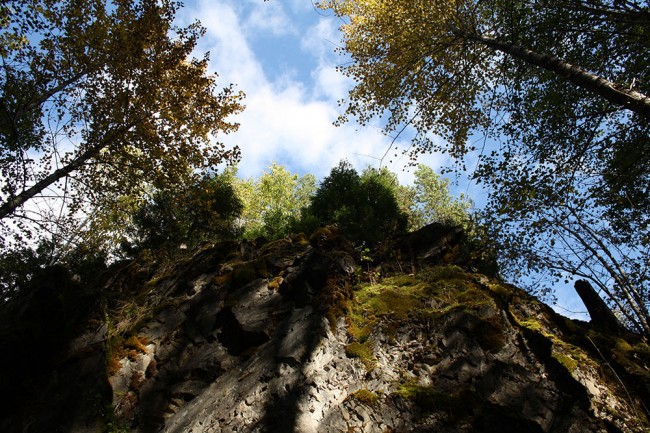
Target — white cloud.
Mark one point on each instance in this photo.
(330, 84)
(286, 127)
(230, 54)
(286, 120)
(269, 18)
(320, 42)
(321, 39)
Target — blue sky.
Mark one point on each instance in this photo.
(281, 53)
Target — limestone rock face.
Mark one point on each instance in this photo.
(290, 337)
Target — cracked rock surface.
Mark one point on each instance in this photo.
(292, 337)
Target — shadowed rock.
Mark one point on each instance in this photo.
(289, 337)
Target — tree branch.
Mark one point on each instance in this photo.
(627, 98)
(13, 203)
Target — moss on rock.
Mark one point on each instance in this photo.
(365, 396)
(247, 272)
(429, 399)
(362, 351)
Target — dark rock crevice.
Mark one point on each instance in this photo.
(234, 337)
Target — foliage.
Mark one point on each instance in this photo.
(557, 90)
(206, 211)
(101, 100)
(334, 201)
(434, 203)
(434, 65)
(427, 201)
(364, 207)
(19, 268)
(274, 202)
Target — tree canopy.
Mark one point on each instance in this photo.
(438, 65)
(363, 206)
(170, 220)
(535, 75)
(273, 203)
(101, 100)
(433, 201)
(556, 96)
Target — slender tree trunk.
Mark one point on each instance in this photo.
(618, 95)
(14, 203)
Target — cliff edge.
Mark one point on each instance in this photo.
(313, 335)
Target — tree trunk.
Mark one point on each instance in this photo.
(14, 203)
(618, 95)
(601, 316)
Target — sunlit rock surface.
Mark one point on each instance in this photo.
(299, 336)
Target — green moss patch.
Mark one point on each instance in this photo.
(401, 298)
(434, 291)
(429, 399)
(567, 354)
(247, 272)
(568, 362)
(392, 300)
(448, 295)
(532, 324)
(438, 273)
(502, 290)
(366, 397)
(364, 352)
(631, 353)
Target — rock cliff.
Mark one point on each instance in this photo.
(309, 335)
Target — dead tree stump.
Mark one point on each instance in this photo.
(601, 316)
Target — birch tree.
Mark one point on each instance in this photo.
(273, 203)
(101, 99)
(551, 97)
